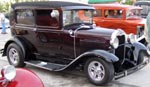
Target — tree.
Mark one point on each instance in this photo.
(1, 7)
(129, 2)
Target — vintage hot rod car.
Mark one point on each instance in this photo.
(50, 35)
(19, 77)
(125, 17)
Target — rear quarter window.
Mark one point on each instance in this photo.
(25, 17)
(97, 13)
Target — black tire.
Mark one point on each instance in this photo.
(105, 77)
(15, 55)
(140, 58)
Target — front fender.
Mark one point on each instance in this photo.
(109, 57)
(137, 48)
(29, 79)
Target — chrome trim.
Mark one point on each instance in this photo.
(1, 51)
(114, 35)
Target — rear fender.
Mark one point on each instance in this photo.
(18, 42)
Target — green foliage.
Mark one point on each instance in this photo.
(1, 7)
(6, 7)
(118, 0)
(129, 2)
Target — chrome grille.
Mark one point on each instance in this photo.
(120, 51)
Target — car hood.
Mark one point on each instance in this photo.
(139, 22)
(99, 37)
(142, 22)
(96, 32)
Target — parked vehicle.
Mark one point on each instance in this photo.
(19, 77)
(50, 35)
(146, 7)
(125, 17)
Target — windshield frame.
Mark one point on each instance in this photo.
(74, 12)
(133, 13)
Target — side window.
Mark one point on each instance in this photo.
(97, 13)
(113, 13)
(48, 18)
(25, 17)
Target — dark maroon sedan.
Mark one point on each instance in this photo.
(50, 35)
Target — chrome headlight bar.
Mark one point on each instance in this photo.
(114, 42)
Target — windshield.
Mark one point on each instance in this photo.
(146, 9)
(133, 13)
(77, 16)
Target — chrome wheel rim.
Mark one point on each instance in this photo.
(96, 71)
(14, 56)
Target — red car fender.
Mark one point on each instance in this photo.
(25, 78)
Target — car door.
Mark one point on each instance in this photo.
(113, 18)
(54, 42)
(67, 46)
(115, 21)
(48, 33)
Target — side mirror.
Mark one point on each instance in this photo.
(8, 72)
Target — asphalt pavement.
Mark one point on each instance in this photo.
(140, 78)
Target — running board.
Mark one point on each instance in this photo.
(46, 65)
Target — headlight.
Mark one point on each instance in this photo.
(114, 42)
(9, 72)
(131, 38)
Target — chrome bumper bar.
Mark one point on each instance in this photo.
(1, 51)
(131, 70)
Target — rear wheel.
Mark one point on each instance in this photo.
(15, 55)
(98, 71)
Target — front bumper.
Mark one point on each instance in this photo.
(131, 70)
(1, 51)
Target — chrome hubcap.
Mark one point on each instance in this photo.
(96, 70)
(14, 56)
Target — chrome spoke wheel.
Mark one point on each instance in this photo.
(14, 56)
(99, 71)
(96, 71)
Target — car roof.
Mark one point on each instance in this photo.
(49, 4)
(119, 6)
(142, 2)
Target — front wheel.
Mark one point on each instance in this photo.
(98, 71)
(141, 57)
(15, 55)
